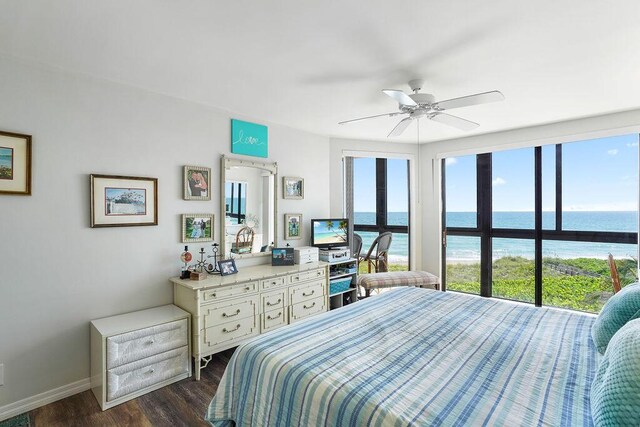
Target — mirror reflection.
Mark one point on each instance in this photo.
(249, 207)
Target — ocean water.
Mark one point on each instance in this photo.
(468, 248)
(5, 160)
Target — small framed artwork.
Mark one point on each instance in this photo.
(123, 201)
(15, 164)
(293, 187)
(282, 256)
(197, 183)
(292, 226)
(227, 267)
(197, 228)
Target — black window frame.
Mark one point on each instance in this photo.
(485, 230)
(381, 224)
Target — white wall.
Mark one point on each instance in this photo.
(573, 130)
(57, 273)
(342, 147)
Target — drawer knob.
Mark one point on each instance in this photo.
(150, 342)
(274, 303)
(297, 277)
(247, 288)
(226, 331)
(311, 306)
(213, 295)
(151, 371)
(319, 273)
(231, 315)
(308, 295)
(274, 283)
(273, 318)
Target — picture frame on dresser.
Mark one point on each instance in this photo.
(15, 164)
(123, 201)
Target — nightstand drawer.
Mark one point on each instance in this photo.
(129, 378)
(306, 275)
(210, 295)
(226, 311)
(273, 282)
(307, 308)
(136, 345)
(233, 330)
(307, 291)
(274, 319)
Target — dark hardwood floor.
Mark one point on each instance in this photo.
(180, 404)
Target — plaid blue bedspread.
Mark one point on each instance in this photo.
(415, 357)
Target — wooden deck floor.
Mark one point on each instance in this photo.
(180, 404)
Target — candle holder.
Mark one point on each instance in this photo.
(212, 268)
(201, 264)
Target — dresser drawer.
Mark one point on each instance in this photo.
(222, 312)
(274, 282)
(274, 319)
(307, 291)
(307, 308)
(225, 332)
(141, 343)
(306, 275)
(137, 375)
(274, 300)
(211, 295)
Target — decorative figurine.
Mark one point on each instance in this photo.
(186, 258)
(212, 268)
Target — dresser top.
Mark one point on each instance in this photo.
(115, 325)
(247, 274)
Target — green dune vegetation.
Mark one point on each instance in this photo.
(582, 284)
(579, 284)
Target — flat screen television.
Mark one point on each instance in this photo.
(330, 233)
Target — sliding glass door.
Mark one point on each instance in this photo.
(381, 204)
(542, 222)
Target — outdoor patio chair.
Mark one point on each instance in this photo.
(356, 248)
(380, 259)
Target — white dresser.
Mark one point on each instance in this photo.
(135, 353)
(227, 310)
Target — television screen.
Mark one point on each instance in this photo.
(326, 233)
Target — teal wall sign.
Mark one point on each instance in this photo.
(249, 139)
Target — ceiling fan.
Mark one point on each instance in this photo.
(419, 105)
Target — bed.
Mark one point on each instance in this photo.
(418, 357)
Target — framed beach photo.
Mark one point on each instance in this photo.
(197, 228)
(227, 266)
(123, 201)
(15, 164)
(197, 183)
(292, 226)
(282, 256)
(293, 187)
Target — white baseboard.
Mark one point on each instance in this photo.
(33, 402)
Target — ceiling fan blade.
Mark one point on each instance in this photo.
(455, 121)
(400, 97)
(466, 101)
(395, 113)
(400, 127)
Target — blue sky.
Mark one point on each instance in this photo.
(364, 176)
(598, 175)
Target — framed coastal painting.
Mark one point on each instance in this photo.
(197, 183)
(123, 201)
(197, 228)
(293, 226)
(15, 164)
(293, 187)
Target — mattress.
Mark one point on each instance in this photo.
(415, 357)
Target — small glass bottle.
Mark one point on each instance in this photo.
(186, 258)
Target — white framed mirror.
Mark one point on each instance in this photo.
(248, 200)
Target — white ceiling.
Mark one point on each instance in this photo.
(309, 64)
